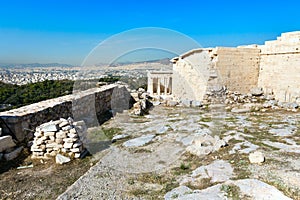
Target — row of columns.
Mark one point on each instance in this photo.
(157, 80)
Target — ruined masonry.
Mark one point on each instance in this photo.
(60, 136)
(274, 67)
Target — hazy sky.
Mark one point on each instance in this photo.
(65, 31)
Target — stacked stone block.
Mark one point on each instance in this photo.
(60, 136)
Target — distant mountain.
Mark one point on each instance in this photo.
(164, 61)
(35, 65)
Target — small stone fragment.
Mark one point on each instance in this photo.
(60, 159)
(256, 157)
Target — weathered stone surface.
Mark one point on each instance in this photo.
(70, 140)
(63, 123)
(72, 131)
(60, 159)
(203, 145)
(248, 188)
(140, 141)
(38, 134)
(256, 157)
(240, 110)
(14, 154)
(196, 103)
(68, 145)
(171, 103)
(218, 171)
(76, 150)
(49, 134)
(256, 91)
(6, 142)
(213, 192)
(259, 190)
(162, 129)
(77, 155)
(185, 102)
(142, 107)
(119, 137)
(61, 134)
(77, 144)
(49, 127)
(177, 192)
(72, 135)
(66, 128)
(294, 148)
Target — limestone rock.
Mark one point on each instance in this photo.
(66, 139)
(68, 145)
(171, 103)
(177, 192)
(6, 142)
(256, 91)
(240, 110)
(218, 171)
(60, 159)
(119, 137)
(204, 145)
(49, 127)
(14, 154)
(142, 107)
(186, 103)
(256, 157)
(63, 123)
(196, 103)
(140, 141)
(256, 189)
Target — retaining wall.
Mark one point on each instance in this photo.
(280, 67)
(94, 106)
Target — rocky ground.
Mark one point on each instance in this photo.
(194, 153)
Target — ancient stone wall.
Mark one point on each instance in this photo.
(191, 74)
(238, 68)
(202, 70)
(280, 67)
(93, 106)
(274, 66)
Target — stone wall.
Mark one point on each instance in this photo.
(191, 74)
(275, 67)
(93, 106)
(238, 68)
(201, 70)
(280, 67)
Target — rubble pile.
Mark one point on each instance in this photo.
(142, 105)
(8, 148)
(60, 136)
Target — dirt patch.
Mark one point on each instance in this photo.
(45, 180)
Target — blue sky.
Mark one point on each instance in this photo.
(66, 31)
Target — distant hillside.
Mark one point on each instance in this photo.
(165, 61)
(30, 65)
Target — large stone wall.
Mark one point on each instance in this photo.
(201, 70)
(191, 74)
(280, 67)
(93, 106)
(274, 66)
(238, 68)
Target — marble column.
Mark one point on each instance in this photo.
(166, 85)
(158, 86)
(150, 85)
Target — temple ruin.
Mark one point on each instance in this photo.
(274, 66)
(160, 82)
